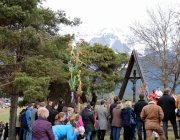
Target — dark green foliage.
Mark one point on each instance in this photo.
(104, 68)
(29, 36)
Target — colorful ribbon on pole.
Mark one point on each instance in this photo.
(74, 65)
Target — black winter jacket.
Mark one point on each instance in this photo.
(167, 103)
(138, 108)
(88, 120)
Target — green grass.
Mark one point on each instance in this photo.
(5, 113)
(170, 135)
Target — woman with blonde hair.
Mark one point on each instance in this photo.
(127, 115)
(41, 128)
(60, 119)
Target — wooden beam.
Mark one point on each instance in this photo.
(127, 75)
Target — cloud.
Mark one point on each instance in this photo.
(106, 13)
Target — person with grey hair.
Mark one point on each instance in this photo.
(167, 103)
(41, 128)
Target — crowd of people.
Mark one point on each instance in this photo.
(55, 121)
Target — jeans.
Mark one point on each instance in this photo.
(88, 135)
(140, 124)
(24, 133)
(116, 133)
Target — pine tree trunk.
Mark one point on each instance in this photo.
(94, 98)
(83, 98)
(13, 114)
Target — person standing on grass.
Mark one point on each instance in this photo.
(178, 107)
(34, 112)
(102, 114)
(41, 128)
(53, 112)
(49, 105)
(137, 110)
(88, 121)
(167, 103)
(152, 115)
(116, 98)
(117, 121)
(18, 125)
(60, 105)
(28, 118)
(129, 129)
(60, 119)
(159, 92)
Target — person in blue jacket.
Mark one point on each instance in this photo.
(129, 129)
(28, 117)
(68, 131)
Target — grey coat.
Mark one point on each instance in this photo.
(33, 114)
(102, 114)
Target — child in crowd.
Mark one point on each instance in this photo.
(81, 136)
(68, 131)
(60, 119)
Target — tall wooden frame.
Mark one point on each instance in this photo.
(132, 61)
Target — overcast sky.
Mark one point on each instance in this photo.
(107, 13)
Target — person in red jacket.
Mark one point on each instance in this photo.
(154, 96)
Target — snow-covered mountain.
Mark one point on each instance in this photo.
(111, 41)
(114, 38)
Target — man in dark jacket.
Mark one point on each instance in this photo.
(167, 103)
(49, 105)
(116, 98)
(88, 120)
(53, 112)
(137, 110)
(60, 105)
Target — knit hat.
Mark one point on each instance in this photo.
(81, 128)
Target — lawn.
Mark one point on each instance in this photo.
(170, 134)
(5, 113)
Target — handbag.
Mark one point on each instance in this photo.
(132, 119)
(178, 113)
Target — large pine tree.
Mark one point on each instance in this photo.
(28, 30)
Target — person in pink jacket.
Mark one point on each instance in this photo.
(80, 122)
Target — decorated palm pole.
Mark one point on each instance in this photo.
(75, 71)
